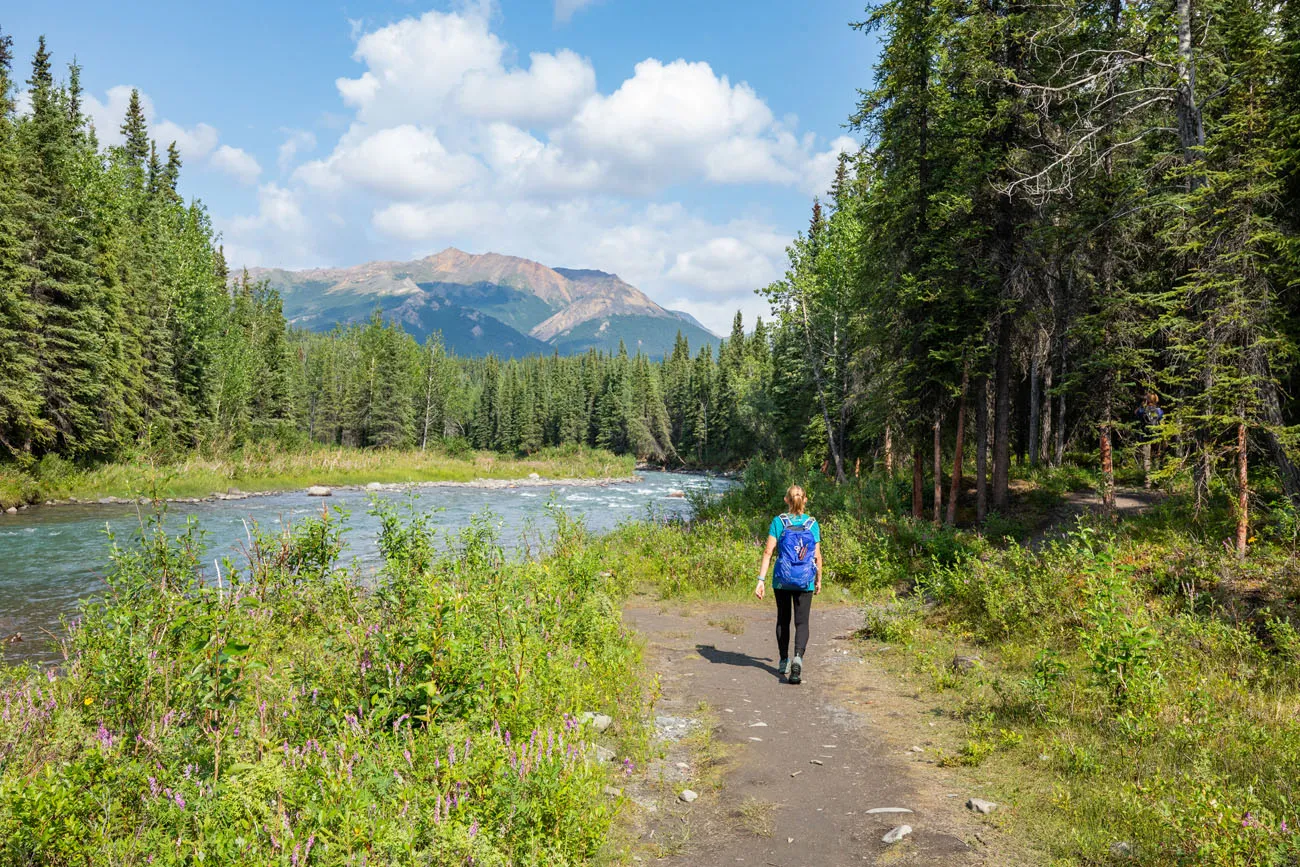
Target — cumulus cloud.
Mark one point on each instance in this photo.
(399, 162)
(453, 139)
(566, 9)
(298, 141)
(194, 142)
(237, 163)
(725, 265)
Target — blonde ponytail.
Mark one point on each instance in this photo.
(796, 499)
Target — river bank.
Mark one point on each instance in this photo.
(261, 471)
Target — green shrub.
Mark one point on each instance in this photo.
(287, 714)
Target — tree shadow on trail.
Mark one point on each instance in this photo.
(731, 657)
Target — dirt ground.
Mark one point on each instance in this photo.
(786, 774)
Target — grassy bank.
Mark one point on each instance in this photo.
(1133, 691)
(285, 716)
(269, 469)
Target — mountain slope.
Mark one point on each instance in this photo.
(489, 303)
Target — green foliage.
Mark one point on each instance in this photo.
(280, 711)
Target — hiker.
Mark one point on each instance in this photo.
(1149, 416)
(796, 538)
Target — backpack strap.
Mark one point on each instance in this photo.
(786, 522)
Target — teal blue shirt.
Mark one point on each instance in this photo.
(776, 528)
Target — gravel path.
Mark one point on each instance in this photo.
(804, 764)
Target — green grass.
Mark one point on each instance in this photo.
(1136, 684)
(291, 714)
(270, 469)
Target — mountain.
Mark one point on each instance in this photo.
(487, 303)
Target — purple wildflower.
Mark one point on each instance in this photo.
(473, 829)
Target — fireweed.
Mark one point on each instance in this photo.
(290, 715)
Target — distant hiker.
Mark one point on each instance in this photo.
(1149, 417)
(796, 538)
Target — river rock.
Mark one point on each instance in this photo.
(374, 486)
(599, 721)
(534, 476)
(677, 495)
(319, 491)
(688, 796)
(979, 806)
(11, 511)
(896, 834)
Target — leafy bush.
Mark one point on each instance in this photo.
(282, 713)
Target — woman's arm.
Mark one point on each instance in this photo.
(817, 558)
(767, 561)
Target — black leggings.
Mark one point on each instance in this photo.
(798, 603)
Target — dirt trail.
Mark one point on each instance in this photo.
(804, 763)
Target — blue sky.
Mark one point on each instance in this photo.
(675, 143)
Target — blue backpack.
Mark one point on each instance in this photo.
(795, 567)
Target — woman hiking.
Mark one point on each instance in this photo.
(796, 538)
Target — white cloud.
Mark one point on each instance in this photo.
(278, 234)
(237, 163)
(400, 162)
(452, 140)
(550, 90)
(724, 265)
(298, 141)
(194, 142)
(566, 9)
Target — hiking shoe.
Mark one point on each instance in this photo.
(784, 666)
(796, 670)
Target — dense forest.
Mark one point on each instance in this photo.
(1056, 211)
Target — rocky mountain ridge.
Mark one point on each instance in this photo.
(487, 303)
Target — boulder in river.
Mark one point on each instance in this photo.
(319, 491)
(677, 494)
(11, 511)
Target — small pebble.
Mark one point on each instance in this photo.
(896, 834)
(688, 796)
(815, 762)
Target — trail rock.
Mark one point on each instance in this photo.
(613, 792)
(896, 834)
(979, 806)
(963, 664)
(688, 796)
(879, 810)
(603, 754)
(319, 491)
(599, 721)
(1123, 849)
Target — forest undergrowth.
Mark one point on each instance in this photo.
(268, 467)
(288, 712)
(1135, 687)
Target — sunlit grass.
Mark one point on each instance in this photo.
(266, 469)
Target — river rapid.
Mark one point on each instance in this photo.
(54, 557)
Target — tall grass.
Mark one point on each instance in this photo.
(282, 714)
(268, 468)
(1137, 684)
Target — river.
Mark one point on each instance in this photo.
(52, 558)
